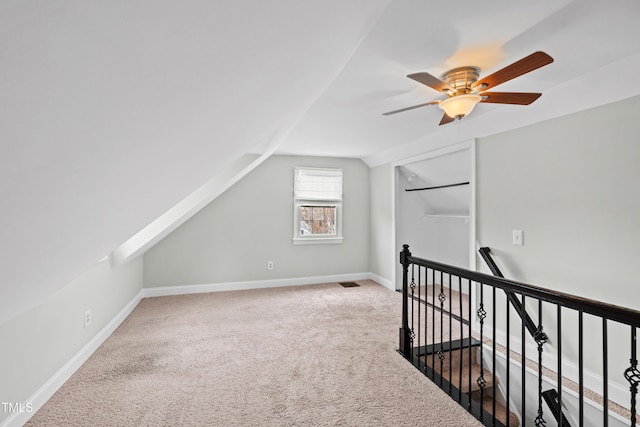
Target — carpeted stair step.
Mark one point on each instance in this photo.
(453, 358)
(451, 302)
(459, 364)
(453, 376)
(452, 351)
(501, 412)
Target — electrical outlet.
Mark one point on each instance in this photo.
(87, 318)
(269, 265)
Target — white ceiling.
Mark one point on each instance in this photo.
(583, 36)
(113, 111)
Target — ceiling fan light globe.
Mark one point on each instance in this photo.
(460, 105)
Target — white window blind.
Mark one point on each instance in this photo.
(318, 184)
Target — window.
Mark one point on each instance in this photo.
(317, 204)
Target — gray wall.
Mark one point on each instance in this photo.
(382, 255)
(572, 185)
(36, 344)
(232, 238)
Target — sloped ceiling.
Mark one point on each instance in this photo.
(111, 112)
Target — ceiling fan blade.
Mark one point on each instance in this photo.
(431, 81)
(518, 68)
(520, 98)
(409, 108)
(445, 119)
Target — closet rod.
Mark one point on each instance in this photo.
(439, 186)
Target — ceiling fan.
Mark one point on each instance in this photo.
(464, 91)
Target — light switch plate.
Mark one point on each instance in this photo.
(518, 237)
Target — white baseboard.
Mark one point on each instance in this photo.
(570, 401)
(253, 284)
(382, 281)
(44, 393)
(618, 393)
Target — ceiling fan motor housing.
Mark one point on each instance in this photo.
(461, 79)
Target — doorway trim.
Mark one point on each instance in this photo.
(465, 145)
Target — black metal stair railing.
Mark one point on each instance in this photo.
(551, 396)
(438, 337)
(534, 330)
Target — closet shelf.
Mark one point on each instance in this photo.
(426, 217)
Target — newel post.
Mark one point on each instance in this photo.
(405, 332)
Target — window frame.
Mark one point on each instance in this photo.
(298, 203)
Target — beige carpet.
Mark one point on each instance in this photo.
(296, 356)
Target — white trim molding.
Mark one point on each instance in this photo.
(253, 284)
(317, 240)
(570, 399)
(387, 283)
(618, 393)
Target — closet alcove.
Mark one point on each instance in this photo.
(434, 207)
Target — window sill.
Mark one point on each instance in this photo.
(317, 240)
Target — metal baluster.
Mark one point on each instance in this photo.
(493, 351)
(469, 349)
(481, 381)
(461, 338)
(508, 362)
(540, 339)
(441, 298)
(632, 374)
(412, 334)
(581, 367)
(423, 326)
(426, 318)
(450, 337)
(523, 350)
(433, 321)
(605, 375)
(559, 338)
(419, 317)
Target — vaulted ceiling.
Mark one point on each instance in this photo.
(111, 112)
